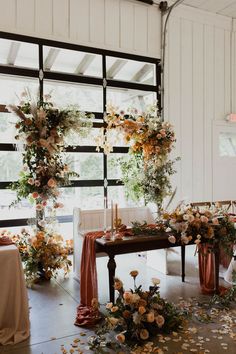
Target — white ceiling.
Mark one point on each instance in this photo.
(222, 7)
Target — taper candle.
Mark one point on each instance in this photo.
(112, 216)
(105, 215)
(116, 216)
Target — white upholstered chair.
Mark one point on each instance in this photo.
(88, 220)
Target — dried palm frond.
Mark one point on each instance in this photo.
(17, 111)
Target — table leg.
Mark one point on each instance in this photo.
(217, 266)
(111, 265)
(183, 261)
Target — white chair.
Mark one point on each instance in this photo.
(88, 220)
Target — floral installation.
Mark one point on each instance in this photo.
(138, 315)
(212, 226)
(43, 129)
(147, 168)
(43, 254)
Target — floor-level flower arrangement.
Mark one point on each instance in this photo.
(136, 317)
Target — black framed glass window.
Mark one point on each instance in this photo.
(71, 74)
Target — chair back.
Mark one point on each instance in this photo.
(201, 205)
(226, 205)
(88, 220)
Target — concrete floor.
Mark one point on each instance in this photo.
(53, 307)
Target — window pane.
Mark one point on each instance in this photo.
(87, 165)
(82, 141)
(7, 127)
(22, 210)
(71, 61)
(130, 70)
(17, 53)
(117, 194)
(10, 165)
(87, 97)
(15, 86)
(227, 144)
(125, 98)
(83, 197)
(113, 167)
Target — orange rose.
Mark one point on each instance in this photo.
(52, 183)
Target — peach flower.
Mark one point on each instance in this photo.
(160, 321)
(120, 337)
(144, 334)
(150, 317)
(141, 310)
(52, 183)
(128, 297)
(113, 321)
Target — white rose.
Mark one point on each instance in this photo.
(172, 239)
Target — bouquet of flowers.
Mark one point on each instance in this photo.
(42, 254)
(146, 170)
(43, 128)
(138, 315)
(192, 224)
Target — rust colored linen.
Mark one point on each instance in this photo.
(206, 260)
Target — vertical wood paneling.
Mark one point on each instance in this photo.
(186, 108)
(140, 28)
(79, 20)
(209, 84)
(25, 15)
(112, 23)
(60, 18)
(43, 17)
(172, 94)
(154, 32)
(198, 113)
(126, 25)
(8, 14)
(227, 73)
(233, 72)
(97, 21)
(219, 86)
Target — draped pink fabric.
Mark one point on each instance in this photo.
(206, 262)
(86, 313)
(88, 278)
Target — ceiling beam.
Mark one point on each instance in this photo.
(13, 51)
(142, 73)
(50, 59)
(84, 64)
(115, 68)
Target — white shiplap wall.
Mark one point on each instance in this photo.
(197, 93)
(121, 25)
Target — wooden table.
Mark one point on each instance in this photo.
(141, 243)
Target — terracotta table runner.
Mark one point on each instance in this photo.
(86, 313)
